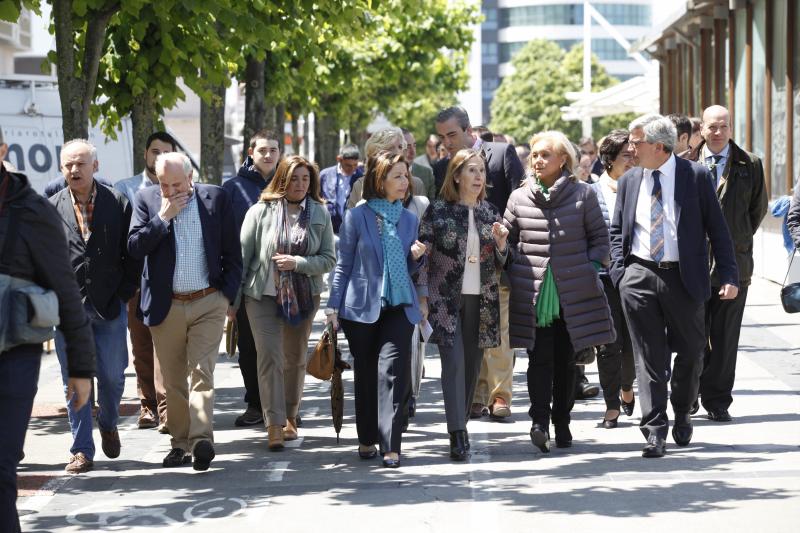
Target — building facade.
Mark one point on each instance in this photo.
(745, 55)
(510, 24)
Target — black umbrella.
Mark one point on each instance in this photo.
(337, 389)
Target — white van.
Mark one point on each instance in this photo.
(30, 116)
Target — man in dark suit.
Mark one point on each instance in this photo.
(504, 173)
(192, 273)
(96, 220)
(666, 211)
(739, 182)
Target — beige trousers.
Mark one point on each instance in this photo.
(281, 353)
(187, 346)
(497, 369)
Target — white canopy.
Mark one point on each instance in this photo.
(637, 95)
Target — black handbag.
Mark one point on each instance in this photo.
(790, 294)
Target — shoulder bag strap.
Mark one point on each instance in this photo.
(794, 252)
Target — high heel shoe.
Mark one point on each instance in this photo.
(627, 407)
(391, 462)
(610, 424)
(369, 452)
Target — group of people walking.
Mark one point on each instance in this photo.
(494, 251)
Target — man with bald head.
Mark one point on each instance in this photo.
(192, 272)
(739, 181)
(96, 219)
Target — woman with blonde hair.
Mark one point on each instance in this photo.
(466, 245)
(376, 303)
(558, 240)
(287, 245)
(386, 140)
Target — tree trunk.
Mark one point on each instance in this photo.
(295, 113)
(76, 89)
(280, 124)
(254, 101)
(326, 137)
(212, 136)
(143, 122)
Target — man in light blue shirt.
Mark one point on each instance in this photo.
(149, 384)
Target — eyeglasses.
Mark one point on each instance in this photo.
(637, 143)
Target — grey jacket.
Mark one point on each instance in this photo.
(567, 232)
(258, 247)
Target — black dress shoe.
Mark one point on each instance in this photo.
(719, 415)
(695, 408)
(655, 447)
(176, 457)
(563, 436)
(250, 417)
(466, 436)
(585, 391)
(458, 445)
(540, 438)
(682, 430)
(627, 407)
(203, 455)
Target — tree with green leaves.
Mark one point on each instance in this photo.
(530, 99)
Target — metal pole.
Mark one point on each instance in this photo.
(587, 64)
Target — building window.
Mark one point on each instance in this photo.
(489, 53)
(572, 14)
(489, 18)
(604, 49)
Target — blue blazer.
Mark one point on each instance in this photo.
(152, 240)
(699, 220)
(358, 278)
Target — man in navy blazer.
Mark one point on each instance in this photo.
(666, 212)
(192, 273)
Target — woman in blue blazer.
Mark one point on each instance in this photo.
(374, 299)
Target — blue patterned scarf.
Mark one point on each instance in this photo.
(396, 288)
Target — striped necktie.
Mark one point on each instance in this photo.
(713, 166)
(656, 220)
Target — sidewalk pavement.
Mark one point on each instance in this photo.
(742, 476)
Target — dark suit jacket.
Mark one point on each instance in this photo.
(504, 172)
(107, 275)
(793, 217)
(699, 219)
(742, 193)
(153, 240)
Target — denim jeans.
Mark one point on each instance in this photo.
(19, 376)
(111, 345)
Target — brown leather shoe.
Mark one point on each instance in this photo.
(147, 420)
(275, 437)
(78, 464)
(290, 431)
(111, 444)
(477, 410)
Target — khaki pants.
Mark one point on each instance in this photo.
(187, 346)
(282, 352)
(497, 368)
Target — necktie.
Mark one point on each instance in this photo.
(656, 220)
(713, 166)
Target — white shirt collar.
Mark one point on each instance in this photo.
(668, 168)
(723, 153)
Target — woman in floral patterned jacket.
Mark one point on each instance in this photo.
(467, 246)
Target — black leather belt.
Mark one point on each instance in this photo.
(663, 265)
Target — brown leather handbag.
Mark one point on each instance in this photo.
(320, 365)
